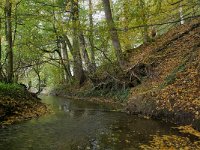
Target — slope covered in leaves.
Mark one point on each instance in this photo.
(17, 104)
(171, 90)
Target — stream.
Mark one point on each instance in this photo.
(77, 124)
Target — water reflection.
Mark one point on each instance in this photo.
(80, 125)
(65, 106)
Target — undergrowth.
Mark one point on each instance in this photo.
(120, 95)
(15, 91)
(10, 89)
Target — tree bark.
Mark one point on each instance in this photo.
(78, 67)
(113, 33)
(144, 20)
(62, 52)
(91, 35)
(39, 80)
(1, 77)
(146, 37)
(8, 30)
(68, 44)
(126, 21)
(85, 54)
(66, 58)
(181, 13)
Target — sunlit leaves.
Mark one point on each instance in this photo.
(172, 142)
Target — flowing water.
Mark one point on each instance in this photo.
(77, 124)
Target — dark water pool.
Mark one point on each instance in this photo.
(81, 125)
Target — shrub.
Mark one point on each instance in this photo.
(11, 90)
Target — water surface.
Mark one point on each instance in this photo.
(77, 124)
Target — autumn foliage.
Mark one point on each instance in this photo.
(173, 86)
(17, 104)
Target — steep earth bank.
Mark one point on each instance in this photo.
(160, 80)
(17, 104)
(171, 89)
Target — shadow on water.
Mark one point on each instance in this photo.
(77, 124)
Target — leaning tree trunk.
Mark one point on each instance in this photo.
(91, 35)
(78, 67)
(67, 41)
(85, 54)
(1, 77)
(66, 58)
(8, 30)
(113, 33)
(62, 52)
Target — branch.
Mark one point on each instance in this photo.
(31, 65)
(157, 24)
(104, 54)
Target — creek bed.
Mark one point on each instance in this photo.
(77, 124)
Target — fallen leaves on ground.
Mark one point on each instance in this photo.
(189, 130)
(14, 111)
(171, 142)
(174, 82)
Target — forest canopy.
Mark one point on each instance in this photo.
(47, 43)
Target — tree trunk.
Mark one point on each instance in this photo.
(145, 33)
(8, 30)
(78, 68)
(91, 35)
(144, 20)
(66, 59)
(37, 71)
(68, 44)
(64, 64)
(113, 33)
(85, 53)
(39, 83)
(182, 21)
(1, 77)
(126, 21)
(62, 52)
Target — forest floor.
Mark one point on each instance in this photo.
(17, 104)
(171, 91)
